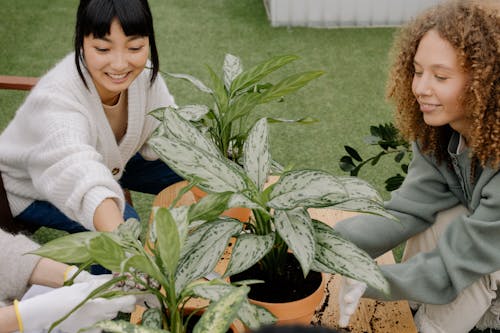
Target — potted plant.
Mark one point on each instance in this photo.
(182, 246)
(235, 95)
(280, 223)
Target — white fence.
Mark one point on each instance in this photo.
(343, 13)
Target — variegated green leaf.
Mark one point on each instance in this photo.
(158, 113)
(68, 249)
(240, 200)
(303, 120)
(251, 315)
(232, 68)
(106, 252)
(178, 128)
(360, 189)
(121, 326)
(203, 257)
(289, 85)
(364, 206)
(259, 71)
(219, 315)
(167, 243)
(210, 206)
(216, 174)
(306, 188)
(196, 82)
(257, 159)
(143, 264)
(247, 250)
(337, 255)
(241, 106)
(193, 112)
(295, 228)
(130, 229)
(219, 93)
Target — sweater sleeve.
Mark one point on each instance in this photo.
(58, 150)
(467, 251)
(15, 266)
(159, 96)
(434, 277)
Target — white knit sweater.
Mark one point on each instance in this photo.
(60, 147)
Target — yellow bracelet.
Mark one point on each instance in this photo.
(18, 316)
(66, 272)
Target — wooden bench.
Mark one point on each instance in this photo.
(7, 221)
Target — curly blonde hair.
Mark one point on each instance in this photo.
(473, 29)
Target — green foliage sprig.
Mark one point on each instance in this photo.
(236, 94)
(387, 138)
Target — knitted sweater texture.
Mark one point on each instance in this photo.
(60, 148)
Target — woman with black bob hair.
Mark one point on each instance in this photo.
(81, 134)
(95, 17)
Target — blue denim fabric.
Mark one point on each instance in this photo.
(139, 175)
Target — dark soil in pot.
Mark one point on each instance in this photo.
(290, 287)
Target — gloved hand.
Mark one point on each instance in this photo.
(349, 296)
(41, 311)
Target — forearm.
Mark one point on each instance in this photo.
(49, 273)
(8, 320)
(107, 216)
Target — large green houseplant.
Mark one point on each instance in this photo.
(280, 221)
(183, 245)
(235, 96)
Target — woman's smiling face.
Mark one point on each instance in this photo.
(114, 61)
(439, 83)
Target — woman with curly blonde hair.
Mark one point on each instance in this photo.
(445, 84)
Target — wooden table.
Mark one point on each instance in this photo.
(371, 316)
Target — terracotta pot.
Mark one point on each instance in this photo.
(240, 213)
(296, 312)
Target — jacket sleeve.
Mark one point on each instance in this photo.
(15, 266)
(435, 277)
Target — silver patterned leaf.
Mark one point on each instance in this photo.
(337, 255)
(193, 112)
(216, 174)
(178, 128)
(205, 255)
(295, 228)
(232, 68)
(247, 250)
(121, 326)
(306, 188)
(253, 316)
(196, 82)
(256, 156)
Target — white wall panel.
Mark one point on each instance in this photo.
(343, 13)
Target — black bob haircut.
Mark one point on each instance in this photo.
(94, 17)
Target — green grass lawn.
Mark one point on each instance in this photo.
(194, 33)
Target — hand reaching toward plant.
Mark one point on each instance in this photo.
(41, 311)
(349, 295)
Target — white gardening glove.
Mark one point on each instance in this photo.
(349, 296)
(41, 311)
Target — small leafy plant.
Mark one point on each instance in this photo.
(281, 221)
(183, 245)
(387, 137)
(235, 95)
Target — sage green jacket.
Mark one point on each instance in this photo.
(469, 247)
